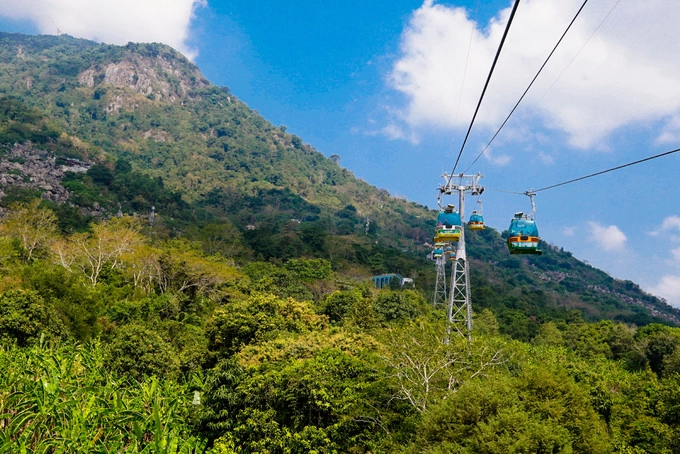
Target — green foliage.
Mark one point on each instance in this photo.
(133, 191)
(541, 410)
(78, 305)
(25, 319)
(400, 305)
(138, 352)
(309, 270)
(312, 393)
(257, 318)
(302, 279)
(339, 304)
(19, 124)
(314, 236)
(63, 399)
(222, 238)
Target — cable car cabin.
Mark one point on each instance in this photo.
(447, 235)
(476, 221)
(449, 225)
(437, 253)
(523, 236)
(450, 253)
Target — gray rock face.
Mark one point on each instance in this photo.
(145, 75)
(29, 168)
(86, 78)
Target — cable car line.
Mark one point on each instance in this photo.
(608, 170)
(503, 190)
(486, 84)
(530, 85)
(573, 180)
(467, 59)
(582, 47)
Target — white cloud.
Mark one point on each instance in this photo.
(500, 160)
(676, 255)
(111, 21)
(609, 238)
(546, 158)
(668, 288)
(569, 231)
(625, 74)
(394, 132)
(669, 223)
(670, 133)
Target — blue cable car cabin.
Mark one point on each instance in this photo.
(449, 225)
(523, 235)
(476, 221)
(437, 253)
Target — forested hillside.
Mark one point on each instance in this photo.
(179, 275)
(151, 131)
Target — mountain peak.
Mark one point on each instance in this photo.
(153, 70)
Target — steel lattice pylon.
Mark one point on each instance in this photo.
(460, 309)
(460, 306)
(440, 296)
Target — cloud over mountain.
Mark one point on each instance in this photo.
(111, 21)
(609, 238)
(669, 287)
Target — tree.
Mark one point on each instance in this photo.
(33, 226)
(549, 334)
(258, 317)
(541, 410)
(314, 236)
(139, 352)
(25, 317)
(485, 323)
(224, 239)
(660, 345)
(391, 305)
(108, 243)
(338, 304)
(427, 366)
(142, 265)
(185, 269)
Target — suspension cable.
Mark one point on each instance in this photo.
(503, 190)
(467, 60)
(573, 180)
(581, 49)
(488, 79)
(530, 85)
(608, 170)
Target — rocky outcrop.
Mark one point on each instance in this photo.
(29, 168)
(638, 302)
(87, 78)
(161, 78)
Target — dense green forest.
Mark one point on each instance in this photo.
(179, 275)
(115, 339)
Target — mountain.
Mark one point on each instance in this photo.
(97, 130)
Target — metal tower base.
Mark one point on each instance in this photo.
(440, 296)
(460, 309)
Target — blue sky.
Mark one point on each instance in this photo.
(390, 86)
